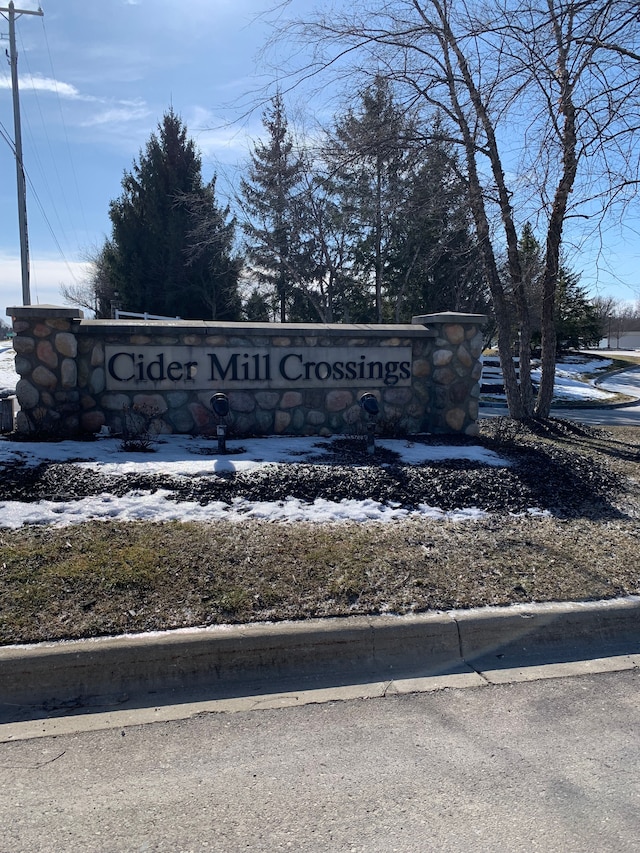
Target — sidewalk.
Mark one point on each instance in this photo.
(175, 674)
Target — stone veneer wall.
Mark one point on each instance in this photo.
(60, 358)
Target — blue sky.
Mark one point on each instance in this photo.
(95, 79)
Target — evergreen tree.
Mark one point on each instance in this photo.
(256, 308)
(272, 203)
(333, 291)
(376, 212)
(214, 269)
(370, 155)
(403, 210)
(532, 267)
(434, 261)
(578, 323)
(170, 249)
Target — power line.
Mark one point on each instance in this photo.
(64, 127)
(4, 133)
(49, 226)
(20, 174)
(54, 165)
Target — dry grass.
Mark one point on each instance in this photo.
(107, 578)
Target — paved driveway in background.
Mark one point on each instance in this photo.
(626, 382)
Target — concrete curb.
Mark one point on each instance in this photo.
(226, 657)
(242, 660)
(554, 632)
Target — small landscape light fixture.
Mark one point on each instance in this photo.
(220, 406)
(369, 405)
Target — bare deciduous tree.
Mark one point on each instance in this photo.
(95, 292)
(543, 98)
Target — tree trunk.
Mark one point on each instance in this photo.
(503, 316)
(556, 222)
(378, 240)
(513, 389)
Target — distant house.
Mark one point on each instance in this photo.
(624, 340)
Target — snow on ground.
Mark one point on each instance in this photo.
(570, 382)
(624, 383)
(184, 456)
(627, 382)
(8, 375)
(142, 506)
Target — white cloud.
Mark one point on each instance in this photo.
(125, 112)
(215, 142)
(217, 137)
(37, 83)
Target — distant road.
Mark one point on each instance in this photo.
(627, 382)
(606, 416)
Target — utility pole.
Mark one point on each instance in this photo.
(20, 177)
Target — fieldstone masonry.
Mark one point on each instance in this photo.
(78, 375)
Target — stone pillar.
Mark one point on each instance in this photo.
(46, 350)
(455, 369)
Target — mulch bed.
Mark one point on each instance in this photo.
(102, 578)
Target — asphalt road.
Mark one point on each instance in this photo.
(627, 383)
(549, 765)
(628, 415)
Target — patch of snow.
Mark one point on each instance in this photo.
(158, 506)
(627, 382)
(568, 385)
(571, 362)
(8, 375)
(182, 455)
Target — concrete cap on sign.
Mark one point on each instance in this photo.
(23, 312)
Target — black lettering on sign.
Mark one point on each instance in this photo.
(117, 365)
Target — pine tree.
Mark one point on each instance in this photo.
(214, 268)
(333, 291)
(370, 155)
(434, 259)
(256, 307)
(158, 260)
(578, 323)
(272, 205)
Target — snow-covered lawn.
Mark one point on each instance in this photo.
(571, 382)
(182, 455)
(143, 506)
